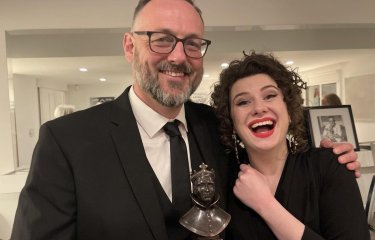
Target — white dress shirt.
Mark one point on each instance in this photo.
(155, 140)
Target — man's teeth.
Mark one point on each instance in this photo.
(174, 74)
(255, 125)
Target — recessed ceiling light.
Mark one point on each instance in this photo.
(224, 65)
(82, 69)
(206, 76)
(290, 62)
(102, 79)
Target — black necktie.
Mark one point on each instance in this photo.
(179, 168)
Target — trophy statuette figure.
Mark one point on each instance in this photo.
(205, 218)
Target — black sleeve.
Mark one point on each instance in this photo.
(47, 206)
(342, 215)
(309, 234)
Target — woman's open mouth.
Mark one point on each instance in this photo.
(262, 128)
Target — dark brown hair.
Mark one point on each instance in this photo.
(287, 80)
(331, 100)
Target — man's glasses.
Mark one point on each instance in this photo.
(164, 43)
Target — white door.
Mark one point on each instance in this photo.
(49, 99)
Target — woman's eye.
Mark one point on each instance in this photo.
(242, 102)
(270, 96)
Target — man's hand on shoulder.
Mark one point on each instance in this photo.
(348, 157)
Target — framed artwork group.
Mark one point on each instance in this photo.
(315, 93)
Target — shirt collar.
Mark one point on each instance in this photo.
(151, 121)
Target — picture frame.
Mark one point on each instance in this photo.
(315, 93)
(333, 122)
(370, 206)
(99, 100)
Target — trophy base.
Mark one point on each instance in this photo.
(207, 238)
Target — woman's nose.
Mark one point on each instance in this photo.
(259, 107)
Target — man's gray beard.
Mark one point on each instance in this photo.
(149, 82)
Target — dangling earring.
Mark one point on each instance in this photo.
(291, 143)
(289, 140)
(234, 137)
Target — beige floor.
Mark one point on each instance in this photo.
(8, 205)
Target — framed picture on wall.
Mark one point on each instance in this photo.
(328, 89)
(335, 123)
(315, 93)
(98, 100)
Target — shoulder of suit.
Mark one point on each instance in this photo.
(199, 106)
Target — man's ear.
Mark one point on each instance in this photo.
(128, 46)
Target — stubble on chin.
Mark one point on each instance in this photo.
(149, 82)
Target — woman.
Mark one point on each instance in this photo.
(287, 190)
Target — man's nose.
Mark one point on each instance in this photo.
(178, 54)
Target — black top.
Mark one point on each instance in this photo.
(314, 188)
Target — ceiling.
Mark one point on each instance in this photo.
(53, 47)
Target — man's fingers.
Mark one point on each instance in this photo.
(350, 156)
(354, 166)
(340, 148)
(326, 143)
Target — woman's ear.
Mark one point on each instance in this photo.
(128, 46)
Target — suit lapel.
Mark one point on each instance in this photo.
(137, 169)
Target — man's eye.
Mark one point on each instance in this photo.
(165, 39)
(193, 44)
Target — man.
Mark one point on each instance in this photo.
(333, 131)
(105, 172)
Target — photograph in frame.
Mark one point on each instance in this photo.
(335, 123)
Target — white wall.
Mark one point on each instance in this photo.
(45, 83)
(365, 131)
(6, 147)
(27, 117)
(79, 95)
(364, 66)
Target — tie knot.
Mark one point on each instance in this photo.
(171, 128)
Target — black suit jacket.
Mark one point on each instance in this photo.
(90, 178)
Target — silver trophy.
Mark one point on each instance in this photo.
(205, 218)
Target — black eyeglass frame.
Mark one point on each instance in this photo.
(182, 40)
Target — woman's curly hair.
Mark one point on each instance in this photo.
(287, 80)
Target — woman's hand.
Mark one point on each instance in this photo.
(252, 188)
